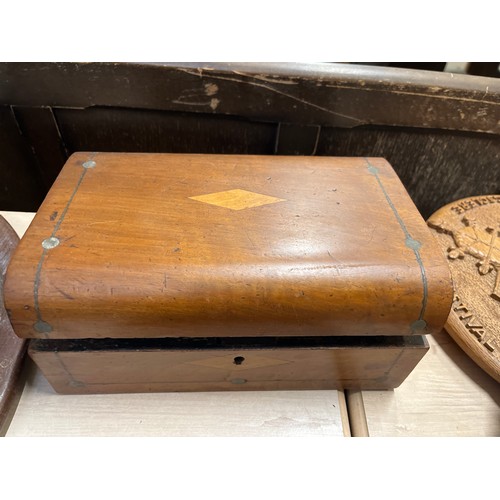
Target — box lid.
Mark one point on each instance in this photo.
(159, 245)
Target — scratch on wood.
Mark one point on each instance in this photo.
(213, 103)
(420, 94)
(64, 294)
(56, 126)
(99, 222)
(315, 268)
(316, 142)
(277, 139)
(267, 78)
(199, 72)
(250, 239)
(272, 89)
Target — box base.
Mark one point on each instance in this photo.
(226, 364)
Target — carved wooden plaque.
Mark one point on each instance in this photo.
(469, 232)
(12, 348)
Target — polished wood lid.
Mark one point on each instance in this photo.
(170, 245)
(468, 231)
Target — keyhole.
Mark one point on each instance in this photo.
(238, 360)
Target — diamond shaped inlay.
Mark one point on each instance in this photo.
(228, 362)
(236, 199)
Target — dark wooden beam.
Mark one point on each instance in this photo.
(21, 187)
(139, 130)
(40, 129)
(339, 95)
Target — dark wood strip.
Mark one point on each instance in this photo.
(40, 129)
(20, 186)
(137, 130)
(204, 343)
(319, 94)
(295, 139)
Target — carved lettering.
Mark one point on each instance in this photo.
(465, 205)
(477, 331)
(460, 307)
(488, 346)
(468, 320)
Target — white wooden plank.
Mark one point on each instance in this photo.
(42, 412)
(446, 395)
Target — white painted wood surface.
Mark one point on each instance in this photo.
(446, 395)
(42, 412)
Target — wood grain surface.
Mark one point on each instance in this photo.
(42, 412)
(12, 348)
(468, 231)
(314, 246)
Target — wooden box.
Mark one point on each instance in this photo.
(144, 272)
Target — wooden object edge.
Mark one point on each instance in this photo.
(357, 414)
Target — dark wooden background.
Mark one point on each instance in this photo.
(441, 132)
